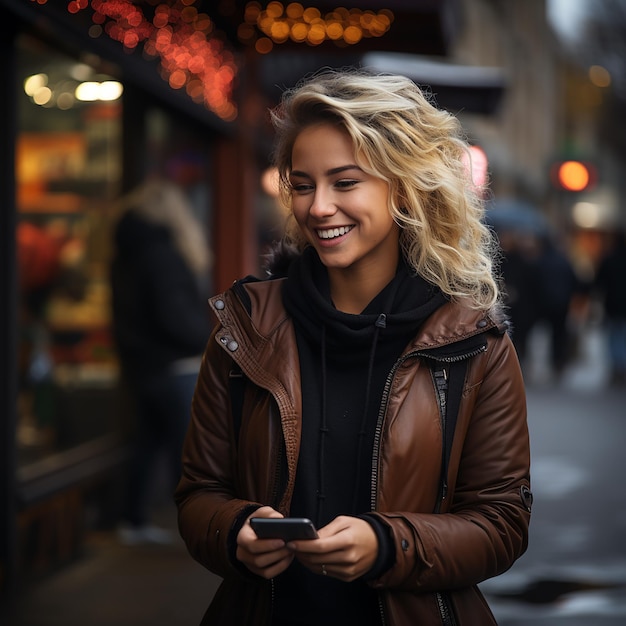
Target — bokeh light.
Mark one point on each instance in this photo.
(298, 24)
(180, 37)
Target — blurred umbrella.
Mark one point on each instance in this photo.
(511, 215)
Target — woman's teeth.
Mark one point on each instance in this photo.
(334, 232)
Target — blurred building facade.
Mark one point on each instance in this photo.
(521, 138)
(495, 63)
(557, 107)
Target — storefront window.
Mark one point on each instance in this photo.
(68, 164)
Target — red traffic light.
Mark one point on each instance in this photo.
(573, 175)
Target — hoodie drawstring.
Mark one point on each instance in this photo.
(321, 491)
(381, 322)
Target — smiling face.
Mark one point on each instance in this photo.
(342, 210)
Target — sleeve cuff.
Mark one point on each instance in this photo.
(240, 520)
(386, 551)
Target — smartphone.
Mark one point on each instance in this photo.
(285, 528)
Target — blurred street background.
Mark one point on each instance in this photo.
(107, 100)
(573, 574)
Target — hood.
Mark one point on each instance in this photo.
(396, 312)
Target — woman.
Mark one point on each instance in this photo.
(340, 420)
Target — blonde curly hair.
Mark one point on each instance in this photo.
(400, 137)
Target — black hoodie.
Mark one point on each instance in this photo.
(345, 360)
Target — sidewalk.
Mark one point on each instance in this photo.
(122, 586)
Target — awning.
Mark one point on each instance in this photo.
(466, 88)
(469, 88)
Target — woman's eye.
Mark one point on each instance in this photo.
(301, 187)
(346, 183)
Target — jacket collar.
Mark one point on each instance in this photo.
(251, 311)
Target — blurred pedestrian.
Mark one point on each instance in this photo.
(610, 283)
(351, 371)
(161, 326)
(520, 285)
(557, 286)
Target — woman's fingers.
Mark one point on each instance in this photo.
(264, 557)
(267, 564)
(347, 549)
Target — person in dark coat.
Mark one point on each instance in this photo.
(610, 284)
(557, 286)
(161, 326)
(520, 286)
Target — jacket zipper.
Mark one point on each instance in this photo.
(381, 609)
(445, 611)
(272, 598)
(440, 381)
(278, 471)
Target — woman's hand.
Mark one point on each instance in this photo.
(264, 557)
(346, 549)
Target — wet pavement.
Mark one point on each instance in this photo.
(574, 572)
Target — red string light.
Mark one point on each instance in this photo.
(190, 53)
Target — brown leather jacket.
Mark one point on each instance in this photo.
(481, 527)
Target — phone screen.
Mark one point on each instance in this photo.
(286, 528)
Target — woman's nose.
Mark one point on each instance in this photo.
(322, 205)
